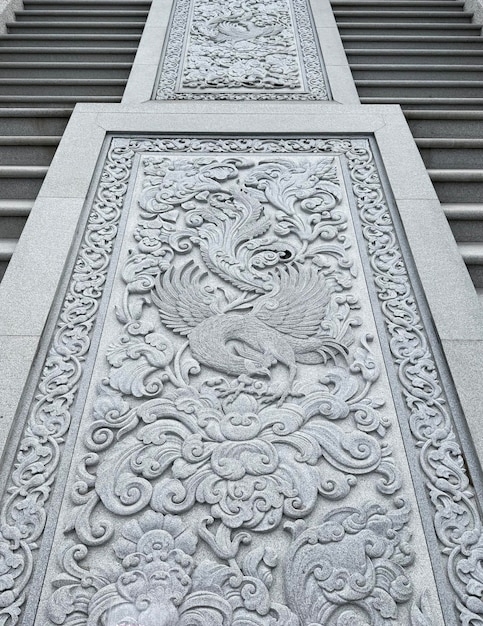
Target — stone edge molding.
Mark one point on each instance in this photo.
(455, 511)
(172, 61)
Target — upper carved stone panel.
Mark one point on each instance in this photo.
(242, 49)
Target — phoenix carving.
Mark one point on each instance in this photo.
(284, 326)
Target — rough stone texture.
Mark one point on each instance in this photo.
(7, 12)
(477, 7)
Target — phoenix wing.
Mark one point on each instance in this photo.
(298, 303)
(185, 299)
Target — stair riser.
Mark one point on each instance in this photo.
(467, 230)
(26, 155)
(464, 129)
(430, 105)
(382, 7)
(3, 269)
(11, 227)
(448, 158)
(40, 102)
(476, 274)
(365, 18)
(401, 74)
(416, 30)
(75, 42)
(82, 6)
(426, 91)
(426, 58)
(19, 29)
(13, 188)
(412, 44)
(32, 125)
(49, 73)
(459, 192)
(62, 90)
(64, 57)
(82, 16)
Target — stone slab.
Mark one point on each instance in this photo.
(136, 170)
(148, 174)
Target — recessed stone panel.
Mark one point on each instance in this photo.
(242, 50)
(241, 418)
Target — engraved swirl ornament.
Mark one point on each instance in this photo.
(242, 50)
(237, 459)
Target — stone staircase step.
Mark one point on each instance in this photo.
(15, 208)
(458, 185)
(472, 253)
(43, 101)
(92, 15)
(103, 5)
(445, 123)
(13, 216)
(25, 149)
(363, 16)
(34, 121)
(427, 56)
(61, 87)
(7, 247)
(96, 28)
(430, 104)
(466, 220)
(57, 54)
(420, 88)
(443, 153)
(65, 70)
(418, 72)
(413, 28)
(69, 40)
(402, 55)
(400, 5)
(411, 41)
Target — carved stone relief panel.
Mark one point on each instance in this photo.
(238, 399)
(242, 49)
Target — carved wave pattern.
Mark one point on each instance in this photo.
(456, 517)
(242, 50)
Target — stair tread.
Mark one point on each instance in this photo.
(416, 66)
(417, 83)
(62, 81)
(455, 175)
(15, 208)
(471, 251)
(427, 114)
(463, 211)
(23, 171)
(68, 24)
(61, 65)
(7, 248)
(12, 140)
(449, 142)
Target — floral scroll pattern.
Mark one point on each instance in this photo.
(242, 273)
(242, 49)
(232, 408)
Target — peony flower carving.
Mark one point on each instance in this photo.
(251, 463)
